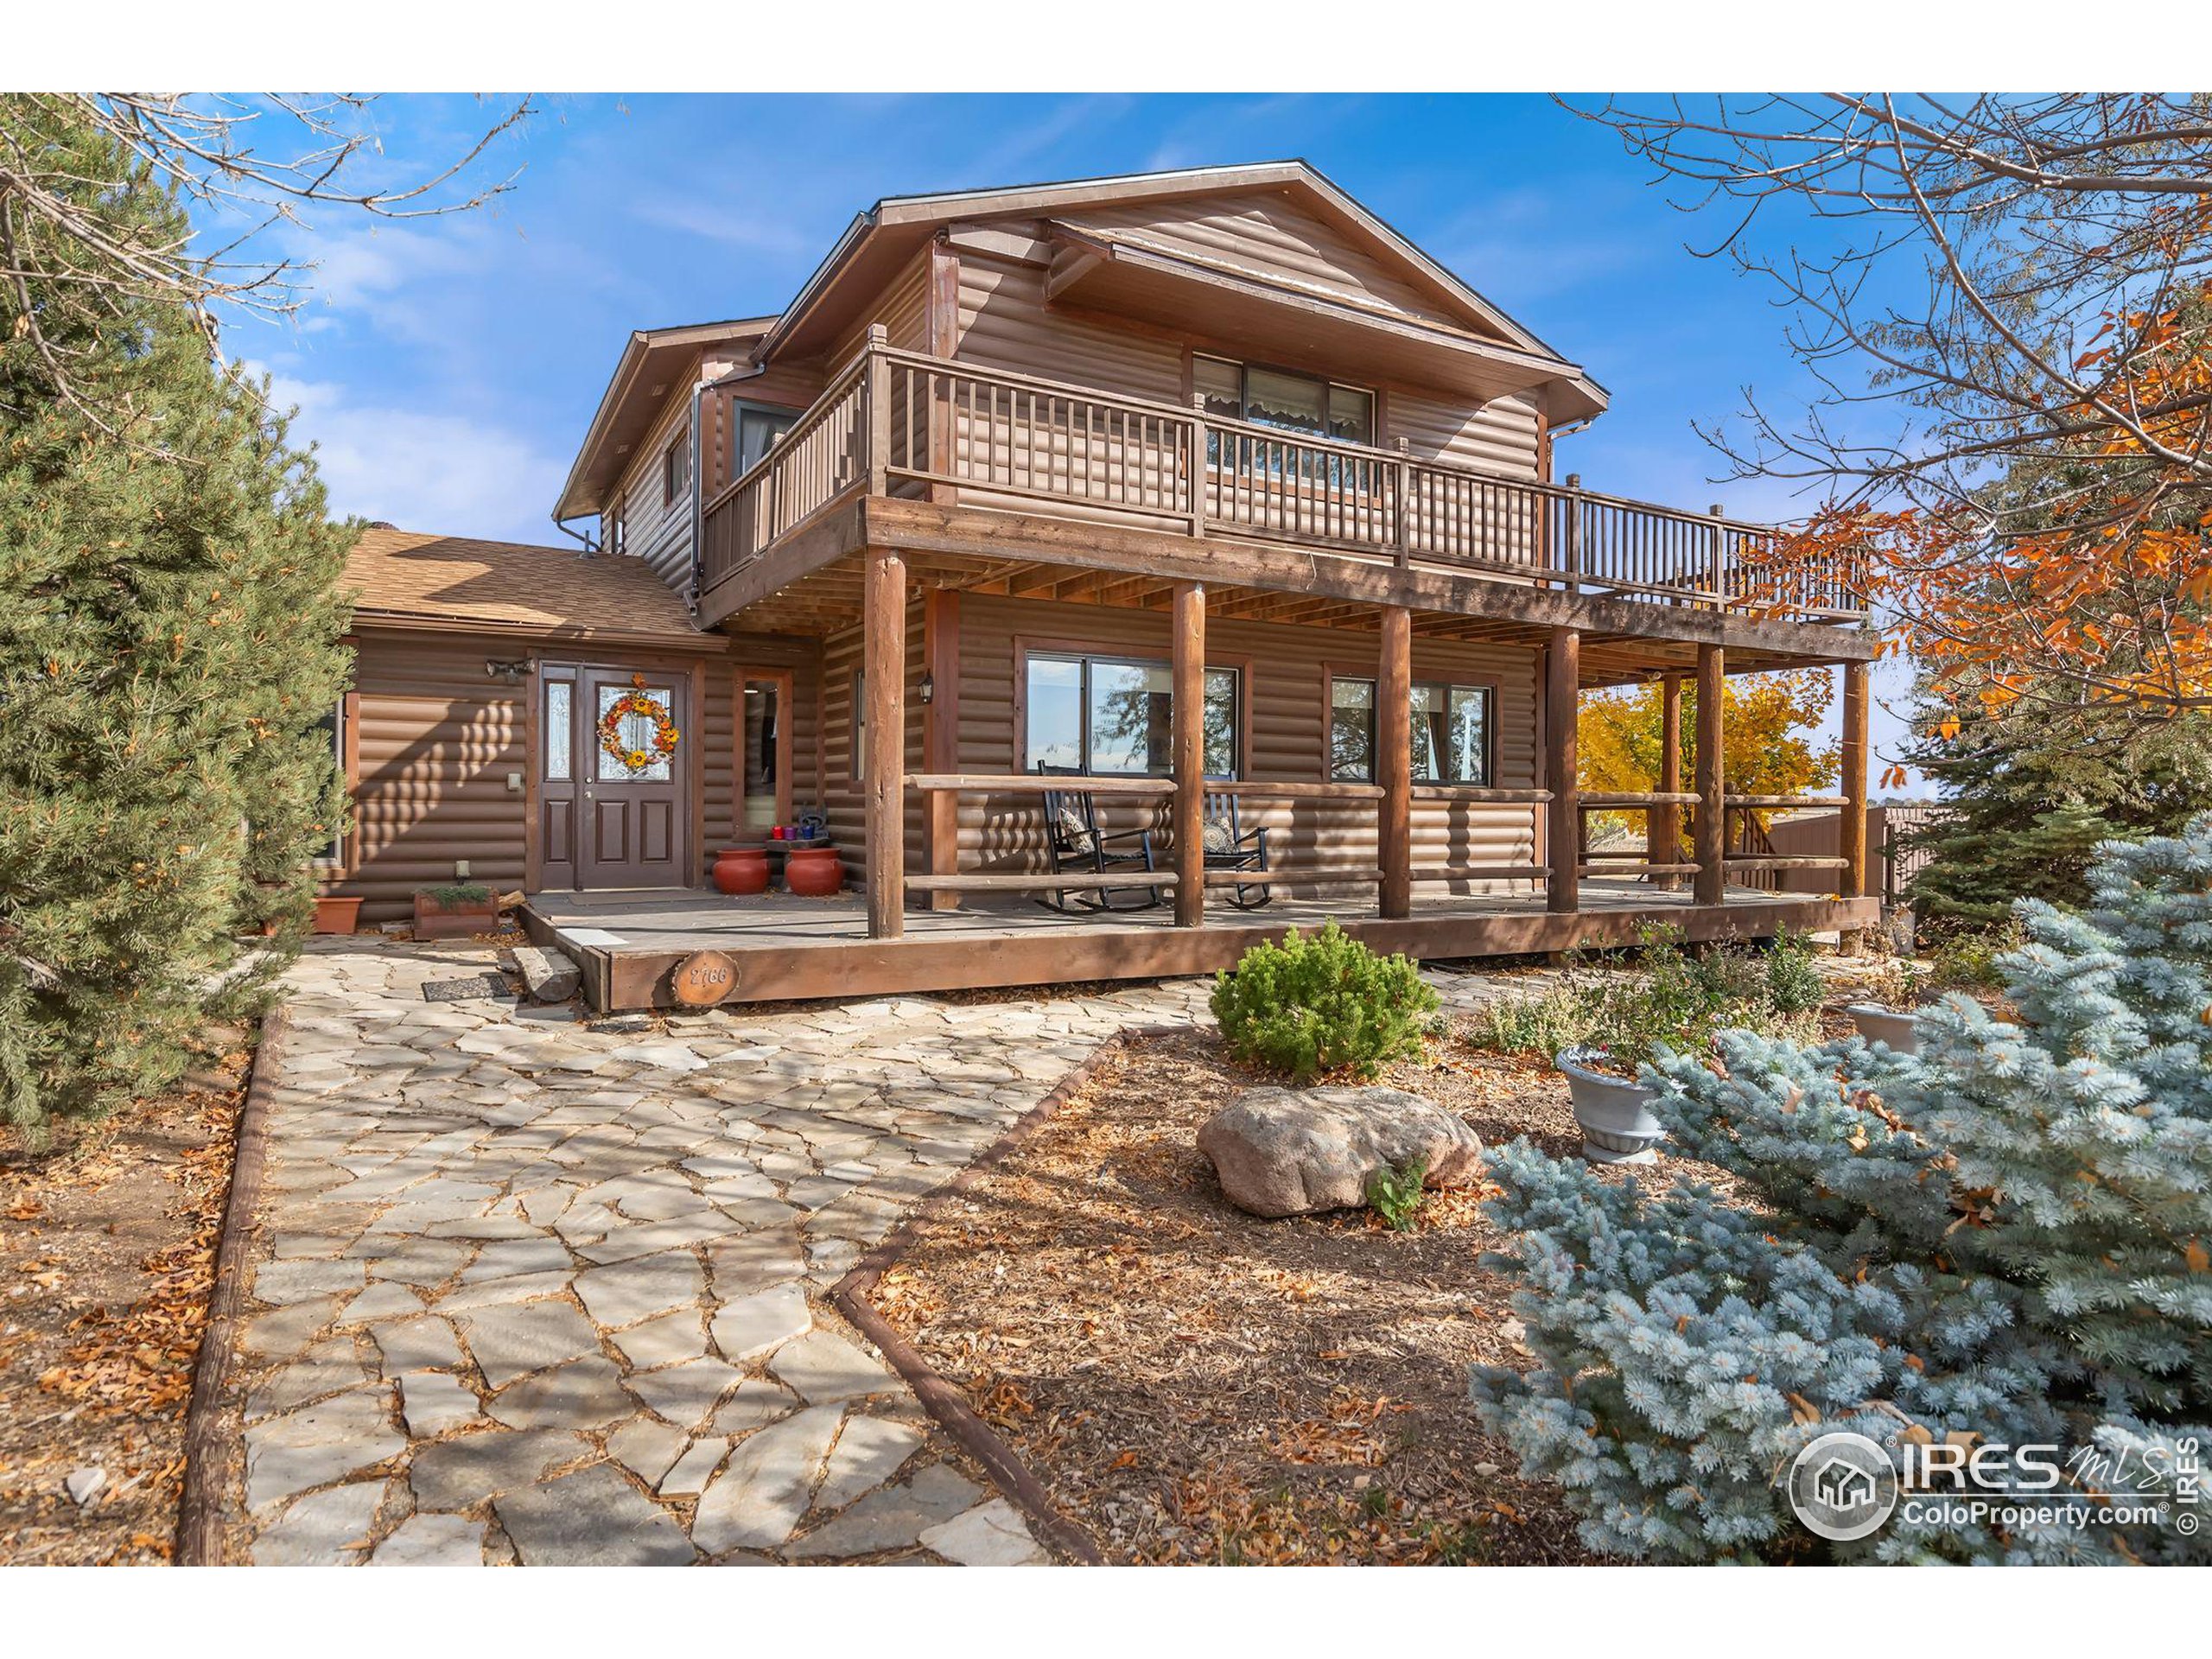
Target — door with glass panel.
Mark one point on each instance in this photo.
(612, 807)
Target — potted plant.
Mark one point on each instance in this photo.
(455, 910)
(1613, 1110)
(336, 914)
(1892, 1018)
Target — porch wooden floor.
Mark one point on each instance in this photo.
(785, 948)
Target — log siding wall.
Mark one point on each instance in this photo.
(435, 740)
(1286, 672)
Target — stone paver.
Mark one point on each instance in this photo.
(527, 1291)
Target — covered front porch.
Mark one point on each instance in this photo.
(631, 947)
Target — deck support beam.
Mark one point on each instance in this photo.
(884, 758)
(1711, 884)
(941, 733)
(1188, 679)
(1664, 824)
(1394, 761)
(1856, 721)
(1562, 762)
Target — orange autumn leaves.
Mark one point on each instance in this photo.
(2085, 577)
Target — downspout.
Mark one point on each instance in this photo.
(699, 478)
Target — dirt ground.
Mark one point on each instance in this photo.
(1195, 1384)
(107, 1243)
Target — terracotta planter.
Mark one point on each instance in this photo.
(1898, 1030)
(813, 872)
(435, 920)
(1618, 1127)
(741, 869)
(336, 915)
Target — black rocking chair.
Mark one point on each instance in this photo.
(1077, 845)
(1230, 846)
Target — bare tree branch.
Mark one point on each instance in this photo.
(240, 166)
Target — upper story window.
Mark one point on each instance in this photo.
(754, 433)
(674, 470)
(1294, 403)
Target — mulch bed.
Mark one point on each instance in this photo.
(107, 1246)
(1194, 1384)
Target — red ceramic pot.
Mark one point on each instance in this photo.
(741, 869)
(813, 872)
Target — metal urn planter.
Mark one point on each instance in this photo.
(1615, 1113)
(1899, 1030)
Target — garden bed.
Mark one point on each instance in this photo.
(107, 1246)
(1193, 1385)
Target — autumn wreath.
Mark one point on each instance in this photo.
(615, 743)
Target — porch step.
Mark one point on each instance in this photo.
(552, 975)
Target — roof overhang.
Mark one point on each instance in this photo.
(1248, 315)
(879, 243)
(655, 363)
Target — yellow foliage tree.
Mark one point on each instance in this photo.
(1768, 745)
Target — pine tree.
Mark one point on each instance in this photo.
(2029, 801)
(170, 631)
(2004, 1240)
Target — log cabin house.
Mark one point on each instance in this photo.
(1205, 484)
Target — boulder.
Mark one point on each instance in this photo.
(1289, 1152)
(551, 976)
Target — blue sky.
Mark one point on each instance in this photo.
(446, 368)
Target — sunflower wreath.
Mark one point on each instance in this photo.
(636, 702)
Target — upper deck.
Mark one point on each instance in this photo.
(899, 425)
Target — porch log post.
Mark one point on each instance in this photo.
(1711, 833)
(1394, 739)
(1189, 706)
(941, 733)
(1664, 824)
(1562, 762)
(1857, 710)
(884, 619)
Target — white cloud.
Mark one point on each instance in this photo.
(421, 469)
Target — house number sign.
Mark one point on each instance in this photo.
(703, 978)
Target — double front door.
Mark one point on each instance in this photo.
(614, 763)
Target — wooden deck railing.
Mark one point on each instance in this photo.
(897, 423)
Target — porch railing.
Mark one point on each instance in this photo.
(897, 423)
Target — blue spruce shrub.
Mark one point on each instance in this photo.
(2003, 1236)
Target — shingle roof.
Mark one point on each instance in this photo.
(404, 575)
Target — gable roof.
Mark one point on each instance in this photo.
(654, 362)
(879, 244)
(411, 579)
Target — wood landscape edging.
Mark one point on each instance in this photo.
(941, 1398)
(209, 1440)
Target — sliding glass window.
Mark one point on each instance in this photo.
(1115, 716)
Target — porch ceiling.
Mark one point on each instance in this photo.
(828, 599)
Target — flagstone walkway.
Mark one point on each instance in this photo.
(524, 1292)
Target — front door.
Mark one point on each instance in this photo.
(633, 820)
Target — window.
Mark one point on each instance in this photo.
(755, 434)
(1277, 397)
(560, 741)
(332, 852)
(674, 474)
(1351, 731)
(1115, 716)
(636, 730)
(1451, 732)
